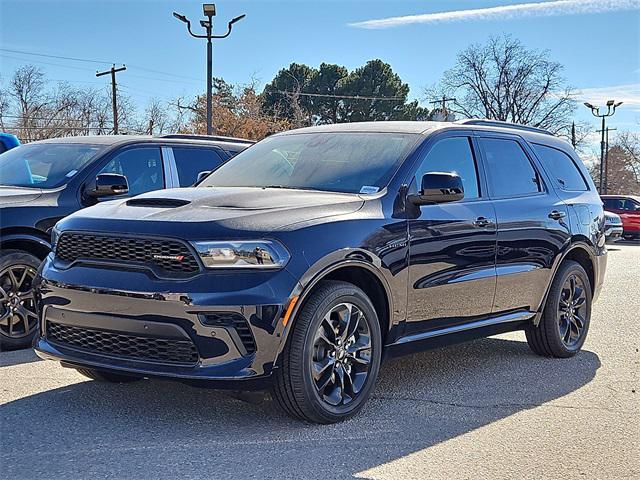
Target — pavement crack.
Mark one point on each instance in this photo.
(521, 405)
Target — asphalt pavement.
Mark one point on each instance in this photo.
(485, 409)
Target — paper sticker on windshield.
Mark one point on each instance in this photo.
(71, 173)
(369, 189)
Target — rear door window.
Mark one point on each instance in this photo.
(510, 173)
(190, 161)
(561, 168)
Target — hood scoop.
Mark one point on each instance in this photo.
(157, 202)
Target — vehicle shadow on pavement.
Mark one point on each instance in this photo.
(17, 357)
(157, 429)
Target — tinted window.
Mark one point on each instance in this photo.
(509, 171)
(613, 203)
(2, 148)
(561, 167)
(44, 165)
(191, 161)
(141, 166)
(452, 155)
(341, 162)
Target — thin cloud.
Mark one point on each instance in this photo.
(628, 93)
(506, 12)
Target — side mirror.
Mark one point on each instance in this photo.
(202, 175)
(439, 187)
(108, 184)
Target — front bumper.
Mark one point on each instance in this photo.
(613, 231)
(223, 338)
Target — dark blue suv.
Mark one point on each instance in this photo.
(303, 262)
(42, 182)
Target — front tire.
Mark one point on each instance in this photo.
(567, 313)
(332, 357)
(109, 377)
(18, 316)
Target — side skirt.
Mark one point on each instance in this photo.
(457, 334)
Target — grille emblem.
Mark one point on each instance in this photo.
(177, 258)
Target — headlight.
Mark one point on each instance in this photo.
(242, 254)
(55, 234)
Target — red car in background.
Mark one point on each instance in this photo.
(628, 207)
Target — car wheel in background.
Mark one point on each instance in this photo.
(331, 360)
(18, 316)
(566, 316)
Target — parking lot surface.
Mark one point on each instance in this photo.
(485, 409)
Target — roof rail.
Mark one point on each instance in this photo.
(502, 124)
(217, 138)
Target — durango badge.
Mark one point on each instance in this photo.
(177, 258)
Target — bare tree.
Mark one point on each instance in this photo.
(155, 116)
(623, 165)
(503, 80)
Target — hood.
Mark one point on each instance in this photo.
(200, 210)
(12, 195)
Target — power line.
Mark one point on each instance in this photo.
(75, 59)
(74, 67)
(28, 118)
(100, 62)
(350, 97)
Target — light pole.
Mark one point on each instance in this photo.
(611, 109)
(209, 10)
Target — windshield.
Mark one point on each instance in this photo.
(336, 162)
(44, 165)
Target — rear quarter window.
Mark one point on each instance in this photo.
(561, 167)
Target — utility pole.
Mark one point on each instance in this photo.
(443, 102)
(606, 159)
(611, 109)
(113, 70)
(209, 10)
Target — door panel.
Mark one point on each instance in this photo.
(528, 242)
(452, 265)
(452, 246)
(533, 224)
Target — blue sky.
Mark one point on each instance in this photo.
(598, 42)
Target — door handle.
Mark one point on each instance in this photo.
(481, 222)
(556, 215)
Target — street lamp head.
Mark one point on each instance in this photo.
(205, 23)
(182, 18)
(588, 105)
(237, 19)
(610, 103)
(617, 105)
(209, 9)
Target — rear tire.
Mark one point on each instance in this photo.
(18, 316)
(332, 357)
(566, 316)
(110, 377)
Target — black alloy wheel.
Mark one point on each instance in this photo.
(18, 314)
(341, 354)
(331, 358)
(572, 310)
(566, 316)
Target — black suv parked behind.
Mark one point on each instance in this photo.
(305, 260)
(42, 182)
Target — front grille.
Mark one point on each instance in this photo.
(167, 255)
(123, 345)
(235, 321)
